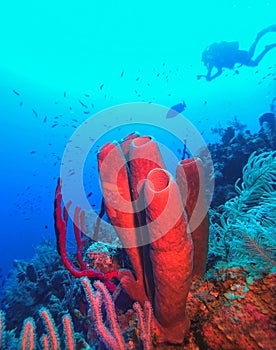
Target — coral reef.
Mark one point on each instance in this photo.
(231, 311)
(231, 154)
(41, 282)
(231, 307)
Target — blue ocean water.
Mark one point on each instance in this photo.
(62, 62)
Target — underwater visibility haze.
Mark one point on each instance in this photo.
(138, 175)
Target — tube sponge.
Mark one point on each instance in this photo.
(114, 175)
(190, 180)
(171, 253)
(150, 213)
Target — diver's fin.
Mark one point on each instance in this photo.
(271, 28)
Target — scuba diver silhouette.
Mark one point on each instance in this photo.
(227, 54)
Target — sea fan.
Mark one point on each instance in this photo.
(259, 178)
(243, 230)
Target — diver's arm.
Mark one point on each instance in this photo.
(208, 76)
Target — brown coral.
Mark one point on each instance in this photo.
(232, 312)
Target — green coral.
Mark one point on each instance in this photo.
(243, 230)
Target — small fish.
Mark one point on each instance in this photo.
(83, 104)
(21, 103)
(86, 112)
(32, 152)
(176, 109)
(16, 92)
(21, 276)
(137, 78)
(101, 87)
(78, 314)
(35, 113)
(54, 125)
(75, 120)
(86, 95)
(71, 172)
(45, 119)
(122, 74)
(89, 195)
(64, 94)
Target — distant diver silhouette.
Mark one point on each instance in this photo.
(227, 54)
